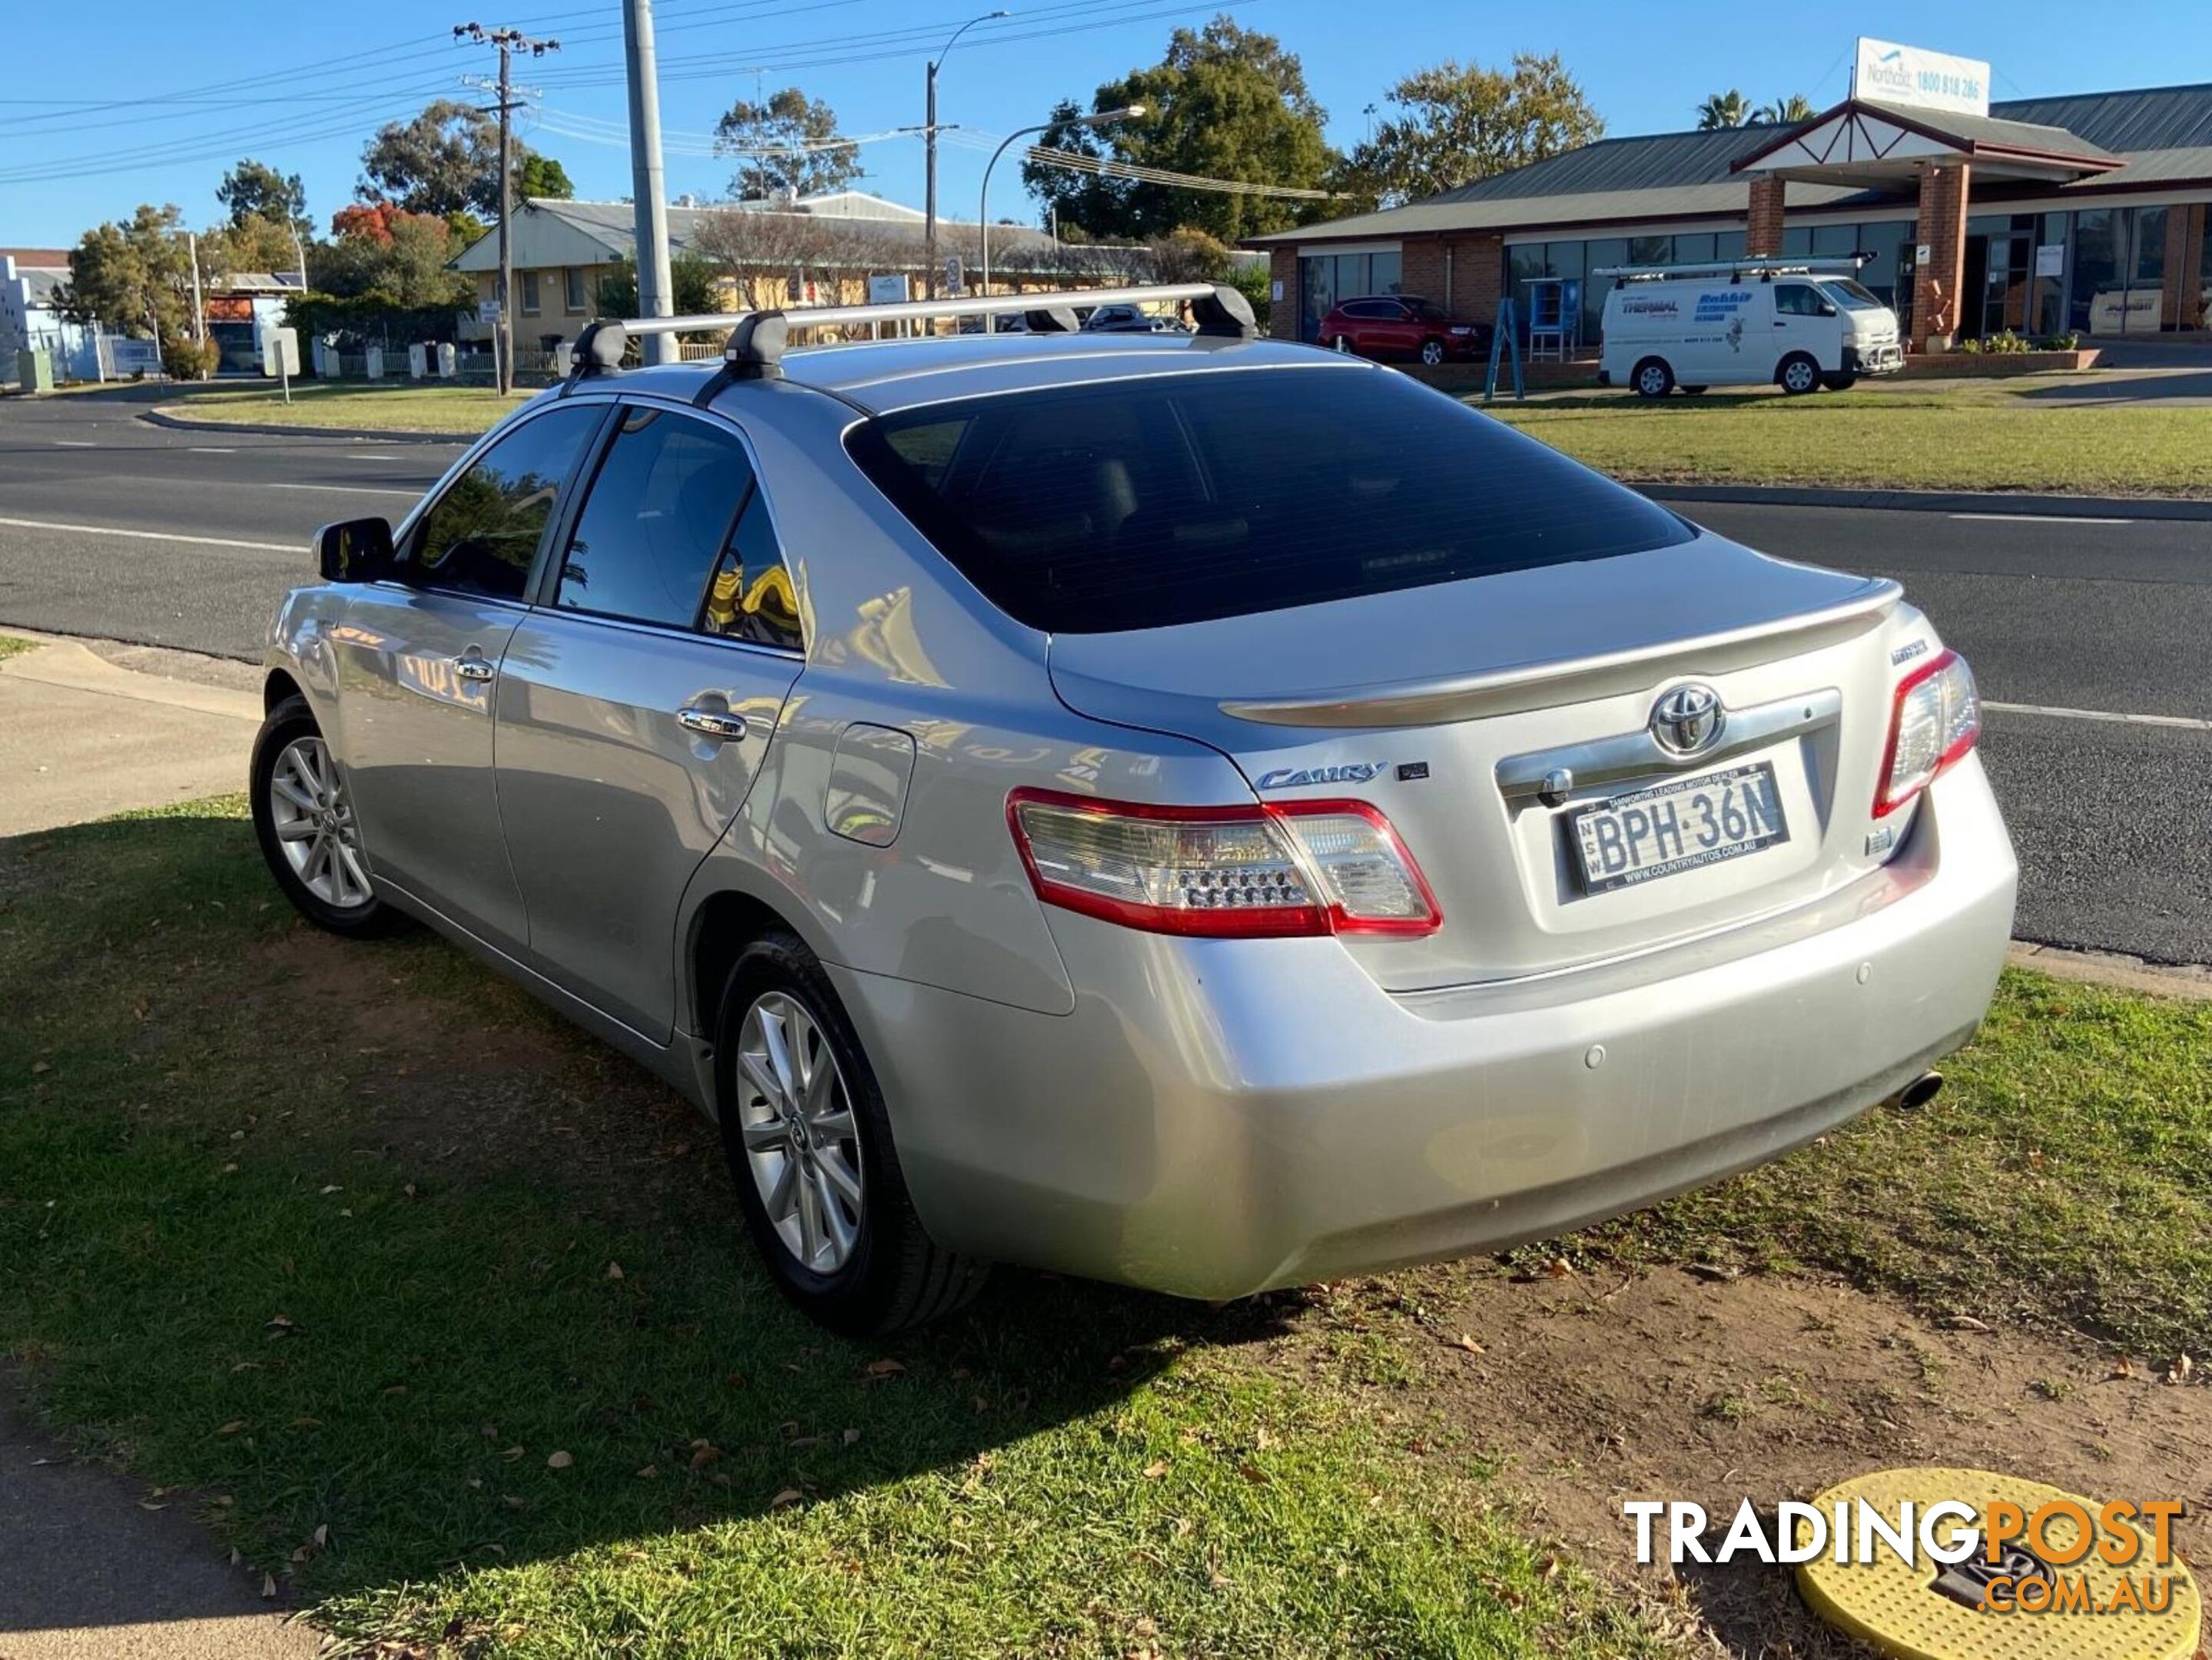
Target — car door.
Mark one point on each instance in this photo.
(416, 658)
(1401, 330)
(637, 702)
(1800, 326)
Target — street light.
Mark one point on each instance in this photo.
(983, 208)
(929, 144)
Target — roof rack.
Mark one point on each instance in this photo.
(1841, 264)
(757, 340)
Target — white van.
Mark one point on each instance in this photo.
(1796, 323)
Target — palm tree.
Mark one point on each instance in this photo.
(1785, 112)
(1723, 109)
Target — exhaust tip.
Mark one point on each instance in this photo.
(1920, 1091)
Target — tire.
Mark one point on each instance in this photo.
(331, 884)
(1798, 374)
(1692, 391)
(875, 1270)
(1652, 378)
(1839, 382)
(1432, 354)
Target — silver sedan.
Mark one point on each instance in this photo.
(1189, 810)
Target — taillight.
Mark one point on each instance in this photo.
(1935, 720)
(1254, 870)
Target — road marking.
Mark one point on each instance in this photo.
(209, 449)
(2187, 723)
(349, 490)
(75, 444)
(156, 535)
(2038, 518)
(350, 455)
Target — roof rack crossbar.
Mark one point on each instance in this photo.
(1761, 265)
(757, 338)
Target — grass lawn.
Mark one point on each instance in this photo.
(400, 407)
(355, 1237)
(1977, 435)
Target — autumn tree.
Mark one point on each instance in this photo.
(785, 146)
(388, 256)
(1456, 123)
(1225, 102)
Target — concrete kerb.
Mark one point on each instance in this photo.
(2040, 506)
(162, 417)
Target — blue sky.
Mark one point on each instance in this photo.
(163, 99)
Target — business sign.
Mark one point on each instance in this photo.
(1891, 74)
(887, 290)
(2050, 259)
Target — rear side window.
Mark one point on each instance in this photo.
(482, 535)
(1148, 503)
(660, 509)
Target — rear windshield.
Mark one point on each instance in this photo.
(1142, 504)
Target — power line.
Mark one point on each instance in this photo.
(1101, 166)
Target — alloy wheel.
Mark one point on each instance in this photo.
(315, 826)
(801, 1143)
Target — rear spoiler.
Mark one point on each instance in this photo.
(1546, 684)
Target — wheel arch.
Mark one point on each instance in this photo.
(278, 686)
(720, 925)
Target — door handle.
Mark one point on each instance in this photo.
(474, 668)
(720, 725)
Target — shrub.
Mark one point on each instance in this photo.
(2065, 341)
(187, 359)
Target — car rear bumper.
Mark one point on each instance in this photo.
(1219, 1116)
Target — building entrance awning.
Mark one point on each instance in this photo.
(1879, 146)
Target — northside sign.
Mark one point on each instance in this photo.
(1891, 74)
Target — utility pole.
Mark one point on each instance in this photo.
(929, 152)
(509, 41)
(199, 305)
(648, 189)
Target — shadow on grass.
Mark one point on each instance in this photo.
(354, 1236)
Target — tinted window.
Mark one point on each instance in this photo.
(1796, 300)
(751, 597)
(661, 509)
(1375, 310)
(1141, 504)
(482, 533)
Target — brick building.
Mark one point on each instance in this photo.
(2082, 214)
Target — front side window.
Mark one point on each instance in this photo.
(1139, 504)
(1796, 300)
(661, 509)
(481, 536)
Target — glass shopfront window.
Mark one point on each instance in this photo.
(2047, 306)
(1325, 280)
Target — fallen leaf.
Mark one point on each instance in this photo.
(787, 1498)
(2178, 1370)
(1965, 1322)
(1157, 1469)
(323, 1536)
(2123, 1367)
(38, 1067)
(513, 1503)
(1464, 1341)
(307, 1423)
(231, 1427)
(1559, 1269)
(511, 1454)
(704, 1454)
(851, 1436)
(648, 1474)
(1713, 1271)
(884, 1366)
(614, 1271)
(395, 1388)
(1252, 1474)
(332, 1189)
(268, 1587)
(145, 1505)
(560, 1460)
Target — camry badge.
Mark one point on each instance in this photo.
(1688, 719)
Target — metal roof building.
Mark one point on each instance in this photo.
(2083, 214)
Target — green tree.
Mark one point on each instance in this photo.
(254, 191)
(1225, 102)
(785, 145)
(445, 162)
(1455, 124)
(695, 280)
(1786, 111)
(542, 176)
(1723, 109)
(136, 276)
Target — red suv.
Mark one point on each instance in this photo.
(1399, 325)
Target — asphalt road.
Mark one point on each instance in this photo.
(2113, 817)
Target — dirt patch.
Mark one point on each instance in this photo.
(1669, 1385)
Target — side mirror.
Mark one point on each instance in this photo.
(355, 551)
(1827, 308)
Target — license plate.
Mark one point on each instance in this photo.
(1683, 825)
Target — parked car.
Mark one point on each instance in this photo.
(1131, 319)
(1799, 330)
(1191, 811)
(1387, 326)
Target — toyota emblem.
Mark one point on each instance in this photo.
(1688, 719)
